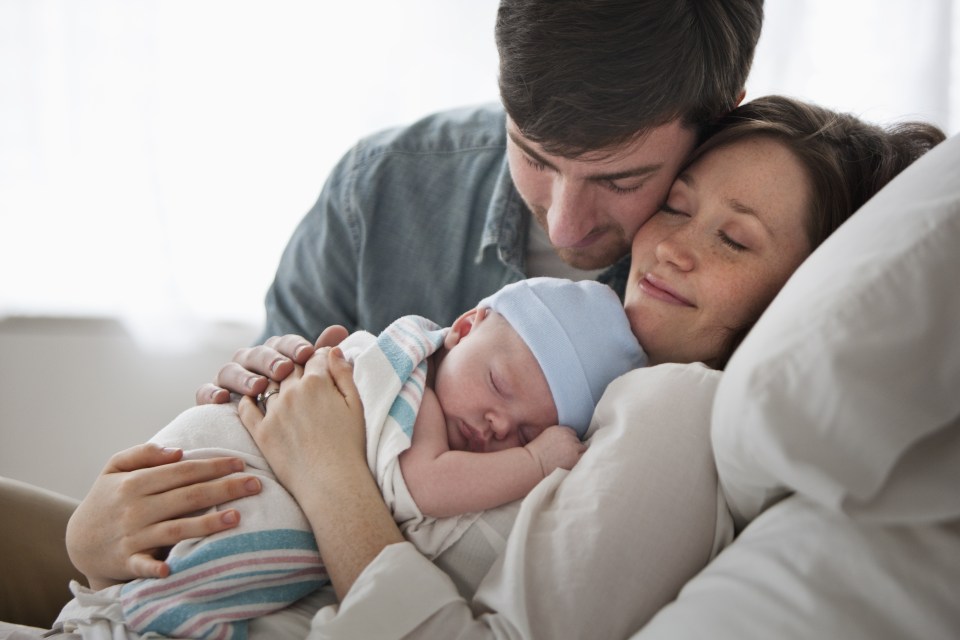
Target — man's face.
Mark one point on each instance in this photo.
(592, 206)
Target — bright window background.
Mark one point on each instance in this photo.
(155, 155)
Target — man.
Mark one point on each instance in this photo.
(602, 100)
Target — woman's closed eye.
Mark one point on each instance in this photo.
(730, 242)
(667, 209)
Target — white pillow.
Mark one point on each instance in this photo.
(848, 389)
(802, 571)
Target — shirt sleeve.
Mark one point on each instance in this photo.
(316, 281)
(594, 553)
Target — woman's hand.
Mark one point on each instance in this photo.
(138, 506)
(314, 422)
(253, 368)
(313, 437)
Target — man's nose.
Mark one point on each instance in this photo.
(570, 217)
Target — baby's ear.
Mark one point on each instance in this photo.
(462, 326)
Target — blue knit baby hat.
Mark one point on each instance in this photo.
(579, 334)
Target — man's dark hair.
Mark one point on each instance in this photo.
(582, 75)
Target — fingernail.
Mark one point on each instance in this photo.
(252, 381)
(236, 465)
(252, 485)
(299, 351)
(169, 451)
(276, 363)
(229, 517)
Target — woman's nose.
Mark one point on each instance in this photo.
(676, 249)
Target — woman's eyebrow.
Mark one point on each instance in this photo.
(737, 206)
(732, 203)
(740, 207)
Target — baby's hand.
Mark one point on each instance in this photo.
(556, 447)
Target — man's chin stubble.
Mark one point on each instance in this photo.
(590, 262)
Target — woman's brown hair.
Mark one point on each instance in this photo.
(846, 160)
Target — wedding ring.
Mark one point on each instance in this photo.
(263, 397)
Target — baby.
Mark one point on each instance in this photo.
(458, 420)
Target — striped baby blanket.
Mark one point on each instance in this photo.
(271, 560)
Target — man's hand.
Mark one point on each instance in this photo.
(253, 368)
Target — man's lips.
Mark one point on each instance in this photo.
(657, 288)
(587, 240)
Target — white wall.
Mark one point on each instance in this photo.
(74, 391)
(184, 140)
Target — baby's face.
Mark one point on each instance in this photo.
(489, 386)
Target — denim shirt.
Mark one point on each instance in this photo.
(420, 220)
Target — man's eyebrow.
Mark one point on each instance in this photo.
(527, 149)
(643, 170)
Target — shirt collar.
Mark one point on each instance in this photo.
(506, 222)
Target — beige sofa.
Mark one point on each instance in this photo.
(34, 567)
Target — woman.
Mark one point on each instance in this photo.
(593, 553)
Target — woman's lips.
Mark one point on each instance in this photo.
(657, 288)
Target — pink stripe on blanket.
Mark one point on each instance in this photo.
(235, 613)
(409, 335)
(188, 577)
(160, 595)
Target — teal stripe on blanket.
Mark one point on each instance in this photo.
(227, 585)
(397, 356)
(404, 415)
(425, 336)
(267, 540)
(169, 622)
(406, 343)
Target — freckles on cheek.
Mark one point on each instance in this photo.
(738, 299)
(756, 295)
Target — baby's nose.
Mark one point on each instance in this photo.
(500, 425)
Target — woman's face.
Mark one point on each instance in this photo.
(708, 263)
